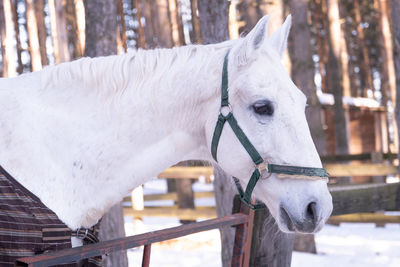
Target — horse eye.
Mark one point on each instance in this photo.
(264, 107)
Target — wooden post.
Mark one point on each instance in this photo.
(377, 157)
(185, 195)
(269, 246)
(184, 191)
(138, 204)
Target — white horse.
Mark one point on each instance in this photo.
(82, 135)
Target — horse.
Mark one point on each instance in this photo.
(81, 135)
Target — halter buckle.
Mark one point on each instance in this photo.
(263, 169)
(78, 232)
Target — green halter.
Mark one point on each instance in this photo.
(261, 167)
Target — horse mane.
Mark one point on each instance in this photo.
(113, 74)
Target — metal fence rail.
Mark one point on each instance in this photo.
(240, 220)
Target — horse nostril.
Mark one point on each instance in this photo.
(286, 219)
(311, 213)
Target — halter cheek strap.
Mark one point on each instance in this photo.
(261, 167)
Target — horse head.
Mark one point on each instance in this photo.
(270, 111)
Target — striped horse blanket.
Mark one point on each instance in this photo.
(28, 227)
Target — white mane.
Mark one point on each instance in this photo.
(114, 74)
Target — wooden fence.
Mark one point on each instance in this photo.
(334, 168)
(347, 199)
(243, 222)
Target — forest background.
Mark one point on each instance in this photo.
(340, 52)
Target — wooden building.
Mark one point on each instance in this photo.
(367, 127)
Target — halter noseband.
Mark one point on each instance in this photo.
(261, 166)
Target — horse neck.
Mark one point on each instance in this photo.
(90, 131)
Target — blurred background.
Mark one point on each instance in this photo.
(343, 54)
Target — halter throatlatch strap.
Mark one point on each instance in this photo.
(260, 166)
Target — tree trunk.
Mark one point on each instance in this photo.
(20, 66)
(59, 31)
(163, 28)
(214, 20)
(101, 28)
(2, 39)
(80, 23)
(176, 24)
(395, 8)
(250, 13)
(318, 19)
(366, 64)
(140, 40)
(72, 26)
(196, 32)
(348, 26)
(7, 39)
(214, 28)
(42, 33)
(344, 56)
(275, 9)
(303, 76)
(233, 21)
(158, 25)
(303, 70)
(101, 40)
(122, 25)
(335, 77)
(34, 47)
(388, 80)
(151, 22)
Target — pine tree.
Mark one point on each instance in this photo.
(34, 47)
(101, 40)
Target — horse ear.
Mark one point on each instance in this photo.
(278, 39)
(253, 40)
(259, 33)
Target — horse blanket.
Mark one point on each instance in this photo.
(28, 227)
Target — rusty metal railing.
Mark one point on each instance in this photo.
(240, 256)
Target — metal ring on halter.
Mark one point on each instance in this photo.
(263, 166)
(81, 237)
(224, 108)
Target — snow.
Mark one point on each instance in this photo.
(328, 99)
(354, 245)
(350, 244)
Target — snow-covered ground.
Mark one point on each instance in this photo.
(348, 245)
